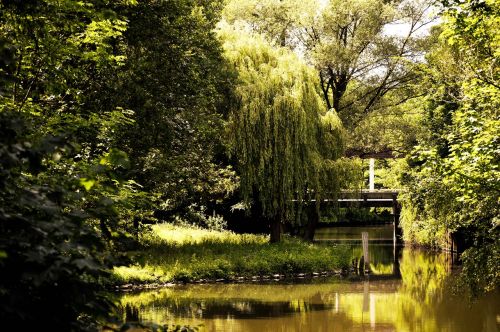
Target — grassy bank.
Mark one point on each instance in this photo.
(173, 253)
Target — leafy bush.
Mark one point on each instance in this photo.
(454, 173)
(52, 255)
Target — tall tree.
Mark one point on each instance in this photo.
(284, 139)
(360, 48)
(175, 80)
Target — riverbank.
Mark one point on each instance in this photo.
(422, 298)
(173, 254)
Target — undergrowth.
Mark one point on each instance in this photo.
(180, 253)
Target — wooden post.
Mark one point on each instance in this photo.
(396, 271)
(396, 211)
(364, 240)
(458, 245)
(371, 177)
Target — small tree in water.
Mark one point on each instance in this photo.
(285, 140)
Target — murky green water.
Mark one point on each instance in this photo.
(376, 233)
(412, 295)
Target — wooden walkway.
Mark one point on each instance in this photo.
(366, 198)
(369, 198)
(373, 198)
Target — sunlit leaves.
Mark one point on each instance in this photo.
(87, 183)
(281, 133)
(115, 158)
(350, 43)
(456, 178)
(97, 37)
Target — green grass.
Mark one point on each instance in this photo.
(175, 253)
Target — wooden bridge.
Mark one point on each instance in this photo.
(369, 198)
(375, 198)
(372, 198)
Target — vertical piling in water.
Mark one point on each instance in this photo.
(364, 240)
(396, 211)
(397, 255)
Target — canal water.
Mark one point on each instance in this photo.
(407, 290)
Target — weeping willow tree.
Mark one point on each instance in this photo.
(285, 141)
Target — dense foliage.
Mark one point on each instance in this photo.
(359, 48)
(175, 80)
(94, 96)
(61, 192)
(455, 176)
(118, 113)
(285, 140)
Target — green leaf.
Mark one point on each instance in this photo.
(87, 183)
(116, 158)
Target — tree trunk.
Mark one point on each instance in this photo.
(313, 219)
(276, 229)
(338, 90)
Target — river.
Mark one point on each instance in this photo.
(407, 290)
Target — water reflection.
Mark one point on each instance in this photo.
(376, 233)
(383, 256)
(419, 300)
(234, 308)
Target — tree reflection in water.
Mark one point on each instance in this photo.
(420, 299)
